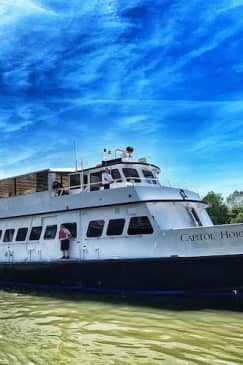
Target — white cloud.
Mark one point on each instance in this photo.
(12, 10)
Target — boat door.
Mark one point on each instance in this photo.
(33, 244)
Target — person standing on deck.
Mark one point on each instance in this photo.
(64, 236)
(107, 179)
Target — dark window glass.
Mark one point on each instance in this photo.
(21, 234)
(72, 227)
(115, 173)
(8, 235)
(195, 216)
(95, 181)
(50, 232)
(35, 233)
(115, 227)
(149, 177)
(75, 181)
(131, 174)
(1, 233)
(140, 225)
(95, 228)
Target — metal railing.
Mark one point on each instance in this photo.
(99, 185)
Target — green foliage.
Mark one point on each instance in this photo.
(222, 213)
(236, 214)
(235, 199)
(217, 210)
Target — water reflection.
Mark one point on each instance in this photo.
(67, 328)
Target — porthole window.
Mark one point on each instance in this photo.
(95, 228)
(115, 227)
(21, 234)
(50, 232)
(8, 235)
(35, 233)
(140, 225)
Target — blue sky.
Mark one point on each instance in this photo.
(163, 76)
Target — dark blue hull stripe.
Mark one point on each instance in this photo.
(171, 276)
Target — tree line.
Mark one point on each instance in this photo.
(228, 210)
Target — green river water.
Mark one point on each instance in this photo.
(38, 328)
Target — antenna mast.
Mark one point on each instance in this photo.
(75, 155)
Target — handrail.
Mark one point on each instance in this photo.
(126, 182)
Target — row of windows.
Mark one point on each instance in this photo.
(35, 233)
(130, 174)
(137, 225)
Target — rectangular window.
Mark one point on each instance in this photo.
(1, 233)
(115, 227)
(72, 227)
(95, 181)
(140, 225)
(149, 177)
(50, 232)
(131, 174)
(8, 235)
(21, 234)
(35, 233)
(74, 181)
(95, 228)
(115, 173)
(85, 182)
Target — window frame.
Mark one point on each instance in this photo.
(115, 172)
(5, 232)
(45, 233)
(120, 232)
(21, 228)
(149, 179)
(73, 177)
(69, 226)
(129, 177)
(195, 217)
(88, 235)
(36, 227)
(129, 228)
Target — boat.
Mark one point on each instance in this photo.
(136, 236)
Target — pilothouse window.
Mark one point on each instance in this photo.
(95, 181)
(194, 216)
(74, 181)
(115, 173)
(131, 175)
(149, 177)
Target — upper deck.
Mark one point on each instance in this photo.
(68, 181)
